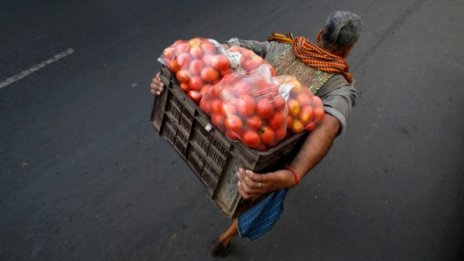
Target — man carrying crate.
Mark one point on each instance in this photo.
(323, 69)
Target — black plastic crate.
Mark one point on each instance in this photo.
(213, 157)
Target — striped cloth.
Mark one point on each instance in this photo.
(259, 219)
(314, 56)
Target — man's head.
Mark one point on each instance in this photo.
(340, 33)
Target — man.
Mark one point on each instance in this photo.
(323, 69)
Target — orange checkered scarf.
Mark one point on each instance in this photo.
(313, 55)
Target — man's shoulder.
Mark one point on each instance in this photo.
(336, 82)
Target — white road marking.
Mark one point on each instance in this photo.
(35, 68)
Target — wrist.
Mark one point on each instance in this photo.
(295, 177)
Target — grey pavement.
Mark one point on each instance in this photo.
(83, 176)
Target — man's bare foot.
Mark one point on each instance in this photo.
(219, 250)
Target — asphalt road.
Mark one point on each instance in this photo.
(84, 177)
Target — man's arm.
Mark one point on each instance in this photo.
(315, 147)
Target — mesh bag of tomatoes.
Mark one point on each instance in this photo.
(197, 64)
(240, 92)
(305, 110)
(248, 108)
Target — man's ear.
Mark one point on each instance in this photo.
(345, 52)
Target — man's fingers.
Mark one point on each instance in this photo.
(251, 179)
(241, 192)
(251, 185)
(155, 91)
(246, 192)
(245, 179)
(255, 177)
(249, 182)
(156, 86)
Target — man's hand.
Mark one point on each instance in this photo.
(156, 86)
(253, 186)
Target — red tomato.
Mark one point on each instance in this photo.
(195, 67)
(249, 65)
(273, 91)
(267, 136)
(228, 109)
(169, 53)
(209, 74)
(195, 96)
(218, 120)
(230, 78)
(262, 84)
(208, 91)
(182, 47)
(242, 88)
(265, 109)
(183, 59)
(216, 106)
(183, 76)
(208, 47)
(279, 103)
(251, 138)
(217, 89)
(232, 134)
(289, 122)
(195, 42)
(173, 65)
(279, 120)
(205, 105)
(223, 73)
(205, 89)
(245, 52)
(304, 98)
(281, 133)
(196, 52)
(220, 62)
(228, 95)
(195, 83)
(208, 59)
(254, 122)
(233, 123)
(246, 105)
(184, 86)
